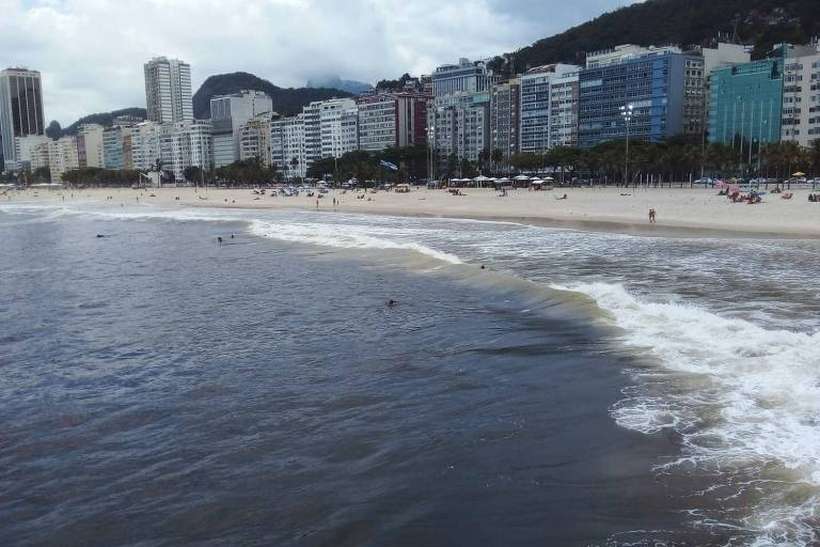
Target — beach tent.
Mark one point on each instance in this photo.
(522, 180)
(481, 180)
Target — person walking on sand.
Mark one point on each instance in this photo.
(652, 216)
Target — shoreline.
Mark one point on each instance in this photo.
(682, 213)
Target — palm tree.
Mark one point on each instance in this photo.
(497, 158)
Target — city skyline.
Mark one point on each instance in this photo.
(382, 39)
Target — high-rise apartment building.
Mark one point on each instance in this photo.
(63, 157)
(255, 139)
(392, 120)
(24, 150)
(229, 113)
(190, 147)
(465, 77)
(311, 135)
(145, 142)
(21, 111)
(549, 107)
(339, 127)
(90, 145)
(459, 125)
(504, 117)
(288, 146)
(168, 90)
(801, 93)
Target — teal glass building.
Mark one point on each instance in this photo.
(746, 103)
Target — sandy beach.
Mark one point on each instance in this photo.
(688, 211)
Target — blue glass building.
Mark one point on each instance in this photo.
(654, 84)
(746, 103)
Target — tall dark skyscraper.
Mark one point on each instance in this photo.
(21, 110)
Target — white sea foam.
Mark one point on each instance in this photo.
(743, 397)
(342, 236)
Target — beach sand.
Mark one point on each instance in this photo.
(685, 211)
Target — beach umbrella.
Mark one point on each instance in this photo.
(799, 174)
(550, 179)
(522, 178)
(503, 180)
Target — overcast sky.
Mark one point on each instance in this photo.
(91, 52)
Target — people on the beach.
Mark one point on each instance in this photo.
(219, 239)
(652, 216)
(391, 303)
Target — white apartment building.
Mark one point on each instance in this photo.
(229, 113)
(311, 134)
(377, 122)
(39, 155)
(549, 107)
(63, 157)
(255, 139)
(25, 149)
(288, 146)
(190, 147)
(90, 145)
(168, 90)
(338, 127)
(801, 95)
(145, 143)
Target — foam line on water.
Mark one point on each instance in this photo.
(341, 236)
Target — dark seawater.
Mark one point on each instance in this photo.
(159, 389)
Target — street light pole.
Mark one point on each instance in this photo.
(627, 111)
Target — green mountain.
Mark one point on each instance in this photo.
(686, 22)
(103, 118)
(286, 101)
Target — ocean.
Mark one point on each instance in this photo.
(531, 386)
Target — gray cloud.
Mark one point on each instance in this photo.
(91, 51)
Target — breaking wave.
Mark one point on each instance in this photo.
(745, 401)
